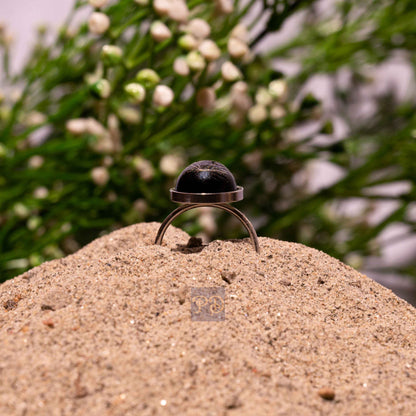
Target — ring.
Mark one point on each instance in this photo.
(207, 183)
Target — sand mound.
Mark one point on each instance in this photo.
(108, 331)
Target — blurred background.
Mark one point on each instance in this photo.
(311, 104)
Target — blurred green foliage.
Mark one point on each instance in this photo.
(80, 156)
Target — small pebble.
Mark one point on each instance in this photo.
(194, 242)
(49, 323)
(10, 304)
(233, 402)
(228, 276)
(327, 393)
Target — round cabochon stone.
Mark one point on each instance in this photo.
(206, 176)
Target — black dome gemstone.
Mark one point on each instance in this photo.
(206, 176)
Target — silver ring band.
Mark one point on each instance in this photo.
(234, 211)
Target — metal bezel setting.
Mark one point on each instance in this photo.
(207, 198)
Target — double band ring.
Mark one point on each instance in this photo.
(207, 184)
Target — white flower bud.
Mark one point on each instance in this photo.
(354, 260)
(40, 193)
(278, 89)
(253, 159)
(223, 104)
(70, 244)
(136, 92)
(103, 144)
(111, 54)
(171, 164)
(19, 263)
(114, 132)
(277, 112)
(100, 175)
(239, 87)
(101, 88)
(94, 127)
(53, 251)
(112, 122)
(140, 205)
(188, 42)
(68, 32)
(34, 118)
(159, 31)
(21, 210)
(257, 114)
(240, 32)
(98, 23)
(95, 76)
(195, 61)
(236, 119)
(37, 137)
(144, 168)
(248, 58)
(236, 48)
(35, 162)
(181, 67)
(108, 161)
(230, 72)
(33, 222)
(129, 115)
(6, 38)
(198, 28)
(224, 6)
(178, 10)
(263, 96)
(205, 98)
(66, 227)
(163, 96)
(98, 3)
(161, 7)
(16, 94)
(148, 77)
(209, 50)
(218, 83)
(77, 126)
(240, 100)
(207, 221)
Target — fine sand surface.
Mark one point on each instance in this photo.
(108, 331)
